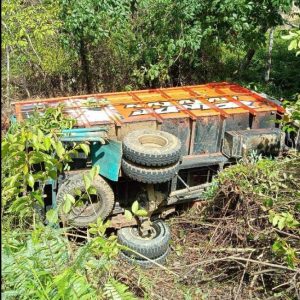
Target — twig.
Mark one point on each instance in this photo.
(242, 278)
(288, 234)
(263, 282)
(237, 250)
(252, 285)
(264, 271)
(283, 284)
(76, 235)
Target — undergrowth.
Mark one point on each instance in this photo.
(241, 242)
(48, 262)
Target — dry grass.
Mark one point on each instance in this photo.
(208, 268)
(222, 249)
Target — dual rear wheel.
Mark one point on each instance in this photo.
(151, 156)
(154, 247)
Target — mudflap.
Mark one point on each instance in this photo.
(108, 157)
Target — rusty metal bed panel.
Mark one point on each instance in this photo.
(193, 102)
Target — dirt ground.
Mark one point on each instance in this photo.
(201, 266)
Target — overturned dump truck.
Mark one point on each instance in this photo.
(162, 147)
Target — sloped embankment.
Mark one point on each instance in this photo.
(241, 244)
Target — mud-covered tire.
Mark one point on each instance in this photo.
(145, 263)
(151, 147)
(101, 208)
(151, 247)
(149, 174)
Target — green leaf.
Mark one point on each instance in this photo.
(47, 143)
(85, 148)
(36, 157)
(67, 206)
(142, 213)
(68, 201)
(30, 180)
(70, 198)
(60, 150)
(12, 180)
(128, 215)
(292, 45)
(87, 181)
(94, 171)
(281, 223)
(38, 197)
(53, 174)
(135, 207)
(268, 202)
(93, 230)
(79, 203)
(92, 190)
(77, 191)
(25, 169)
(275, 220)
(52, 216)
(19, 204)
(40, 135)
(287, 37)
(277, 246)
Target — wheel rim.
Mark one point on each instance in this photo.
(152, 141)
(88, 209)
(155, 231)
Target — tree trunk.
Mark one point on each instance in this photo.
(269, 58)
(85, 64)
(247, 59)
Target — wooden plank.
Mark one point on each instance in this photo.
(237, 89)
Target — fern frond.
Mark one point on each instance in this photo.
(115, 290)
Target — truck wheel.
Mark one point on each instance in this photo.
(152, 247)
(101, 206)
(151, 147)
(145, 263)
(149, 175)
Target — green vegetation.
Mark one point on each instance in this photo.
(246, 231)
(271, 185)
(242, 242)
(38, 261)
(62, 47)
